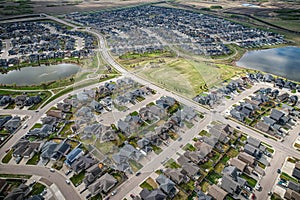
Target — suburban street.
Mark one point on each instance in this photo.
(282, 149)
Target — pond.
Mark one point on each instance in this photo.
(37, 75)
(283, 61)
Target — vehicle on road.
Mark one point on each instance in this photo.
(68, 182)
(88, 196)
(132, 195)
(138, 173)
(52, 170)
(179, 139)
(238, 127)
(68, 172)
(114, 193)
(25, 126)
(7, 150)
(278, 171)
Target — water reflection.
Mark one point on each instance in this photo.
(38, 75)
(284, 61)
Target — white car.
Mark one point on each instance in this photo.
(257, 186)
(52, 170)
(68, 182)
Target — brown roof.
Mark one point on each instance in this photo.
(291, 194)
(217, 192)
(297, 165)
(246, 158)
(55, 113)
(238, 164)
(262, 126)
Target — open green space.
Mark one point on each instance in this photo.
(77, 179)
(251, 181)
(178, 74)
(34, 160)
(37, 188)
(7, 157)
(23, 176)
(172, 164)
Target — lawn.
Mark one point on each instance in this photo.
(180, 195)
(135, 166)
(77, 179)
(178, 74)
(146, 185)
(208, 165)
(204, 133)
(21, 176)
(188, 187)
(232, 153)
(213, 177)
(287, 177)
(189, 147)
(172, 164)
(251, 181)
(204, 186)
(34, 160)
(37, 189)
(7, 157)
(225, 159)
(219, 167)
(157, 150)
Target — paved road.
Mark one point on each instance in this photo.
(68, 191)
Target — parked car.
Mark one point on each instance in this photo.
(25, 126)
(138, 173)
(238, 127)
(52, 170)
(132, 195)
(257, 187)
(68, 182)
(44, 192)
(68, 172)
(114, 193)
(88, 196)
(278, 171)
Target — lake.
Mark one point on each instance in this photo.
(38, 75)
(283, 61)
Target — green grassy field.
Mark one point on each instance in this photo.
(177, 74)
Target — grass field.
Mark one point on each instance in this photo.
(178, 74)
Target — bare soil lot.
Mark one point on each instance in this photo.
(62, 7)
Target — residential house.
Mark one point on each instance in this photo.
(82, 163)
(25, 148)
(251, 150)
(42, 132)
(18, 193)
(294, 186)
(176, 175)
(231, 182)
(166, 185)
(155, 194)
(202, 196)
(291, 195)
(253, 141)
(61, 150)
(240, 165)
(126, 153)
(56, 113)
(92, 173)
(48, 149)
(73, 155)
(103, 184)
(191, 170)
(216, 192)
(250, 160)
(13, 124)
